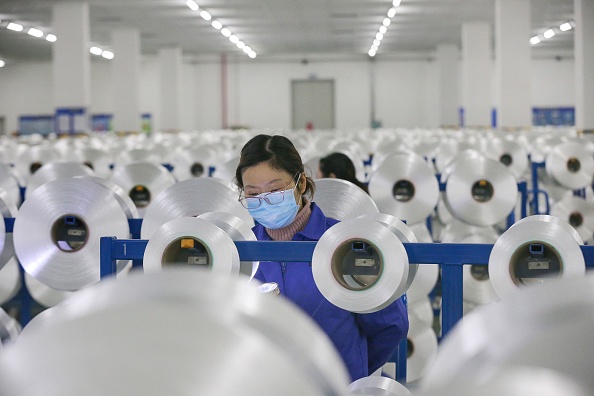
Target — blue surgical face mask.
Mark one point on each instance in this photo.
(276, 215)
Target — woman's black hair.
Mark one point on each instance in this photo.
(279, 152)
(342, 167)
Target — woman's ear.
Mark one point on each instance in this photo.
(302, 183)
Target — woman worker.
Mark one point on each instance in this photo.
(339, 166)
(275, 189)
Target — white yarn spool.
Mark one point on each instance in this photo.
(133, 155)
(421, 232)
(571, 165)
(193, 197)
(9, 183)
(8, 210)
(98, 159)
(226, 170)
(545, 326)
(480, 191)
(143, 181)
(193, 162)
(55, 171)
(10, 281)
(45, 295)
(237, 230)
(535, 250)
(120, 195)
(422, 310)
(58, 228)
(9, 328)
(191, 241)
(405, 186)
(359, 265)
(421, 348)
(513, 380)
(377, 386)
(116, 321)
(510, 154)
(33, 158)
(404, 234)
(341, 199)
(578, 213)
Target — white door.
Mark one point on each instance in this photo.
(312, 104)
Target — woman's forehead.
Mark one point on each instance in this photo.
(263, 174)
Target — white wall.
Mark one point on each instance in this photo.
(553, 83)
(259, 91)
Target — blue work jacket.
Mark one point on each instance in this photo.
(365, 341)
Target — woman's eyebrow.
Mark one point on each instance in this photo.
(267, 184)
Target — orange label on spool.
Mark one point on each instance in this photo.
(187, 243)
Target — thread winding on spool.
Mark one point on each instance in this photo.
(571, 165)
(480, 191)
(535, 250)
(10, 280)
(218, 316)
(377, 386)
(143, 181)
(237, 231)
(341, 199)
(405, 186)
(191, 241)
(193, 197)
(359, 265)
(511, 333)
(54, 171)
(58, 228)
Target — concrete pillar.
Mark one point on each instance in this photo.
(584, 64)
(476, 74)
(71, 66)
(513, 63)
(448, 71)
(170, 60)
(125, 72)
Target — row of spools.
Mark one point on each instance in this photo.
(401, 182)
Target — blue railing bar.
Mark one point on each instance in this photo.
(302, 251)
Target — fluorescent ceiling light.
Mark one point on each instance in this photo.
(252, 54)
(205, 15)
(2, 63)
(376, 42)
(387, 21)
(379, 36)
(192, 4)
(14, 26)
(226, 32)
(217, 25)
(240, 44)
(383, 29)
(565, 27)
(51, 38)
(535, 40)
(391, 12)
(35, 32)
(371, 53)
(107, 54)
(549, 33)
(396, 3)
(96, 51)
(233, 38)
